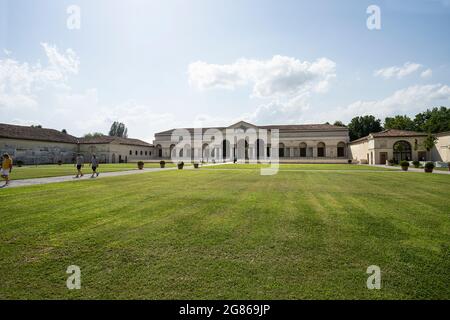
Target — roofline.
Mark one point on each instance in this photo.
(40, 139)
(332, 128)
(444, 133)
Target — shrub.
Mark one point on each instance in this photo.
(196, 165)
(349, 161)
(162, 163)
(429, 166)
(180, 165)
(140, 165)
(416, 164)
(19, 163)
(404, 163)
(391, 162)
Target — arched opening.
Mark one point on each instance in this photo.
(225, 149)
(402, 151)
(281, 150)
(341, 149)
(205, 152)
(303, 147)
(159, 150)
(321, 149)
(113, 158)
(259, 149)
(172, 151)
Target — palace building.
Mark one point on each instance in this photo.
(319, 143)
(303, 143)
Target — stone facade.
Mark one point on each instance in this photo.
(441, 152)
(297, 143)
(37, 152)
(31, 145)
(377, 148)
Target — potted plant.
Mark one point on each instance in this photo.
(59, 162)
(404, 164)
(416, 164)
(448, 165)
(196, 165)
(429, 166)
(391, 162)
(19, 163)
(140, 165)
(180, 165)
(349, 161)
(162, 164)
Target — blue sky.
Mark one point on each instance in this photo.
(156, 65)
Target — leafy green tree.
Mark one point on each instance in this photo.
(400, 123)
(93, 135)
(118, 129)
(64, 131)
(361, 126)
(434, 120)
(339, 124)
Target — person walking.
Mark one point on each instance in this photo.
(79, 162)
(94, 166)
(6, 168)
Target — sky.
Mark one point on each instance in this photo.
(158, 65)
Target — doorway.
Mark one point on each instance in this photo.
(383, 157)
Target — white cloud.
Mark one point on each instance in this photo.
(405, 101)
(277, 77)
(427, 74)
(398, 72)
(20, 83)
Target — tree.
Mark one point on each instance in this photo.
(339, 124)
(64, 131)
(36, 126)
(429, 142)
(118, 129)
(362, 126)
(434, 120)
(93, 135)
(400, 123)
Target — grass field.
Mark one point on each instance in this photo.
(285, 166)
(53, 170)
(229, 234)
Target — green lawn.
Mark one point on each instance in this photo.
(229, 234)
(53, 170)
(306, 166)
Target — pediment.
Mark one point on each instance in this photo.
(242, 125)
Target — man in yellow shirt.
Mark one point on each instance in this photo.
(6, 168)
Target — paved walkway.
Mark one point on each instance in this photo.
(37, 181)
(412, 169)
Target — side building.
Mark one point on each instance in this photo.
(33, 145)
(398, 145)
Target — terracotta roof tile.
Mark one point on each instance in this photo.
(32, 133)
